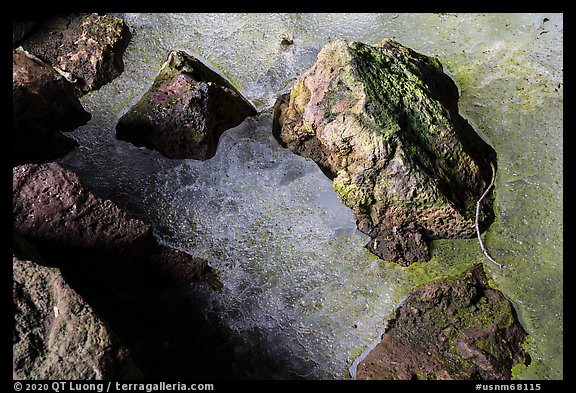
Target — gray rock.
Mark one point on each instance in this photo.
(383, 123)
(57, 335)
(185, 111)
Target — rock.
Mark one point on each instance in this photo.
(383, 123)
(57, 335)
(113, 261)
(57, 214)
(89, 47)
(50, 204)
(179, 269)
(68, 223)
(185, 111)
(44, 103)
(450, 329)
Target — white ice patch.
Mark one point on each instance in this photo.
(286, 249)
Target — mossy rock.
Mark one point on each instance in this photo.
(453, 328)
(383, 123)
(185, 110)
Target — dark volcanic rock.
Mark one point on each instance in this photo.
(44, 104)
(450, 329)
(87, 47)
(383, 123)
(57, 335)
(113, 261)
(185, 111)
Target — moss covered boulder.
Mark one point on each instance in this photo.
(88, 48)
(450, 329)
(185, 110)
(383, 123)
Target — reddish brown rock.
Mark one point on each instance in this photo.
(140, 287)
(43, 104)
(450, 329)
(50, 204)
(22, 29)
(54, 211)
(185, 111)
(89, 47)
(81, 232)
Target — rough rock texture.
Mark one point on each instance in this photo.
(44, 103)
(450, 329)
(52, 209)
(50, 203)
(57, 335)
(87, 46)
(185, 111)
(383, 123)
(112, 260)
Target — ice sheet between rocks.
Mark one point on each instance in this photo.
(288, 253)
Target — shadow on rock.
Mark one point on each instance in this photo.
(148, 293)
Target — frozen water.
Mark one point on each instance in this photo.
(286, 249)
(292, 262)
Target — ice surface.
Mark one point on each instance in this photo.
(286, 249)
(292, 262)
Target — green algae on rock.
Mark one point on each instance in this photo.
(185, 111)
(383, 123)
(450, 329)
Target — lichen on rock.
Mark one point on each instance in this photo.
(453, 328)
(185, 110)
(383, 123)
